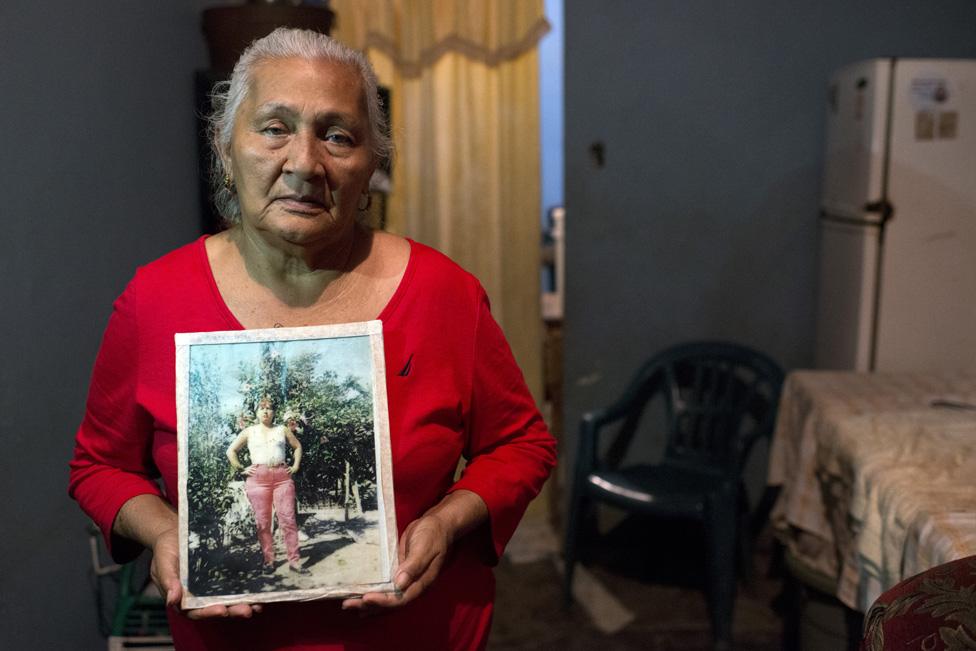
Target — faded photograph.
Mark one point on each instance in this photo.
(281, 482)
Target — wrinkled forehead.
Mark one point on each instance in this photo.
(298, 81)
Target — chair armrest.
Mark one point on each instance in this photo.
(590, 425)
(594, 420)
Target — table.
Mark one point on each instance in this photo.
(877, 484)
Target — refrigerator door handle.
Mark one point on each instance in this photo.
(882, 207)
(827, 216)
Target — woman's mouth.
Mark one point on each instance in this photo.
(303, 204)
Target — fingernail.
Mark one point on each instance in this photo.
(401, 580)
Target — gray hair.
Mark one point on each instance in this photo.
(284, 43)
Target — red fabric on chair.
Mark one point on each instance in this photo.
(931, 611)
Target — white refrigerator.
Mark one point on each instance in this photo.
(897, 283)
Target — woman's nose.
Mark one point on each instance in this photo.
(304, 158)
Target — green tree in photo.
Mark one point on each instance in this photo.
(208, 474)
(335, 427)
(338, 432)
(335, 418)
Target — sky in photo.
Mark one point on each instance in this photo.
(345, 356)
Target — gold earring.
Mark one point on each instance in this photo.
(369, 202)
(228, 182)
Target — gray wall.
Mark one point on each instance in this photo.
(97, 175)
(702, 223)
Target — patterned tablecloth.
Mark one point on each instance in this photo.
(877, 483)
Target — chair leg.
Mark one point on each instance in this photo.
(720, 532)
(744, 541)
(792, 600)
(576, 516)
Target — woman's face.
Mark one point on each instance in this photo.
(265, 415)
(300, 154)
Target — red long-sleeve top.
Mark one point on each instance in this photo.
(453, 390)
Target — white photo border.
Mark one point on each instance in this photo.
(381, 436)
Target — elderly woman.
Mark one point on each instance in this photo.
(298, 132)
(269, 482)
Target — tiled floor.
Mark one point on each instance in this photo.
(667, 604)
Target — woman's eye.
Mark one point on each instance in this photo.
(273, 130)
(338, 138)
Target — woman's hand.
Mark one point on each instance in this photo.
(423, 548)
(150, 521)
(292, 469)
(165, 567)
(165, 574)
(250, 470)
(421, 551)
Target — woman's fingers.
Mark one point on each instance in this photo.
(241, 610)
(423, 543)
(369, 602)
(165, 567)
(417, 585)
(376, 601)
(422, 548)
(236, 610)
(167, 582)
(165, 572)
(207, 612)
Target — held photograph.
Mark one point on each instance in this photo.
(285, 479)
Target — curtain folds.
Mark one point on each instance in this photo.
(415, 34)
(463, 79)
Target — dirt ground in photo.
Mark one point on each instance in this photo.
(334, 550)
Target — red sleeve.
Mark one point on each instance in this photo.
(510, 451)
(112, 458)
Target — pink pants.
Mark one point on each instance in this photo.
(269, 487)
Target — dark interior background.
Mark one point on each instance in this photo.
(98, 170)
(701, 223)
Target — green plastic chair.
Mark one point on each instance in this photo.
(137, 614)
(126, 606)
(719, 398)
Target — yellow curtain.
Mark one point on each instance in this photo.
(463, 79)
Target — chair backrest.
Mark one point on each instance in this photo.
(719, 398)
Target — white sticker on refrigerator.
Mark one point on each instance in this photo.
(929, 92)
